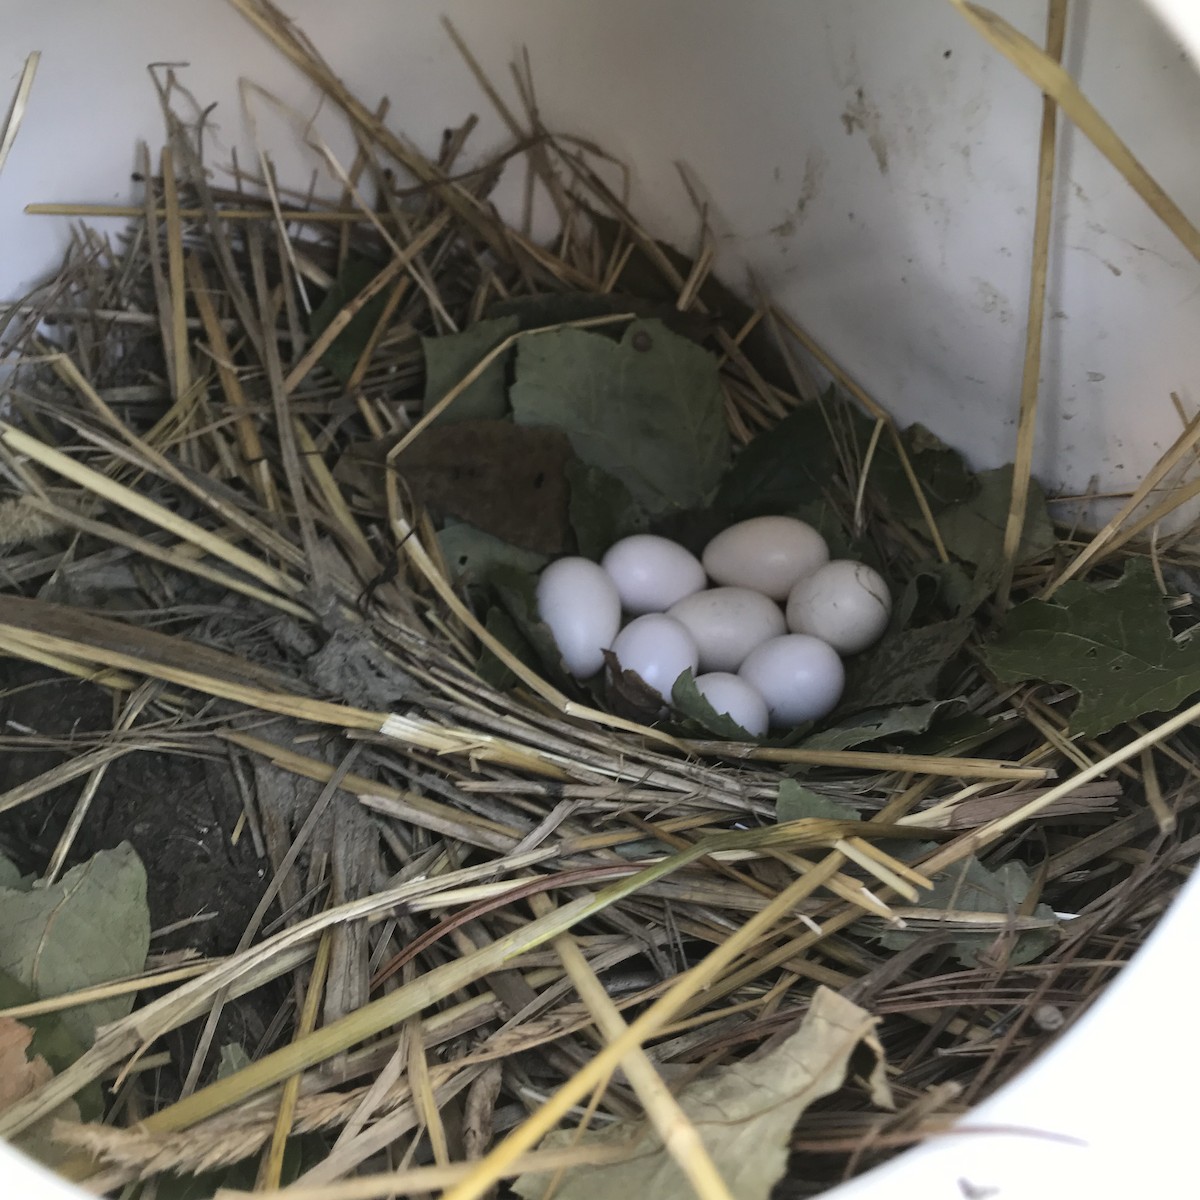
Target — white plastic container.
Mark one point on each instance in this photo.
(872, 166)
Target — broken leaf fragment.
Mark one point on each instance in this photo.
(91, 927)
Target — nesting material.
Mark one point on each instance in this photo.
(490, 905)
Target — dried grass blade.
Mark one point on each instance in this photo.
(147, 509)
(1056, 28)
(253, 456)
(170, 556)
(19, 105)
(272, 1167)
(864, 760)
(971, 843)
(180, 357)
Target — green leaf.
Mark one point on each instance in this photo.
(974, 529)
(11, 877)
(91, 927)
(516, 591)
(648, 410)
(602, 510)
(876, 724)
(449, 359)
(904, 667)
(796, 802)
(745, 1114)
(1111, 643)
(473, 554)
(970, 887)
(345, 349)
(688, 701)
(231, 1059)
(54, 1042)
(787, 466)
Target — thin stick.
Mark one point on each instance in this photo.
(1056, 28)
(1038, 67)
(1154, 797)
(247, 433)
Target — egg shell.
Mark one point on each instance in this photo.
(844, 603)
(799, 676)
(651, 572)
(658, 648)
(765, 554)
(733, 696)
(727, 623)
(578, 601)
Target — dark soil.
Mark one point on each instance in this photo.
(177, 811)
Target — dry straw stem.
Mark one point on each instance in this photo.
(548, 801)
(272, 1167)
(264, 213)
(19, 106)
(1056, 29)
(440, 982)
(1111, 537)
(1037, 66)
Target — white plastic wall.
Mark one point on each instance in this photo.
(871, 163)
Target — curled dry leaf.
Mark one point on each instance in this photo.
(20, 1075)
(744, 1113)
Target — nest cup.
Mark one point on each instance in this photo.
(874, 172)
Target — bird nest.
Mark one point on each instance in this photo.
(475, 920)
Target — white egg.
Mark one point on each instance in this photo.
(727, 623)
(766, 554)
(800, 677)
(844, 603)
(577, 600)
(658, 648)
(651, 572)
(733, 696)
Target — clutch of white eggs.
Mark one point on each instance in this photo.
(765, 644)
